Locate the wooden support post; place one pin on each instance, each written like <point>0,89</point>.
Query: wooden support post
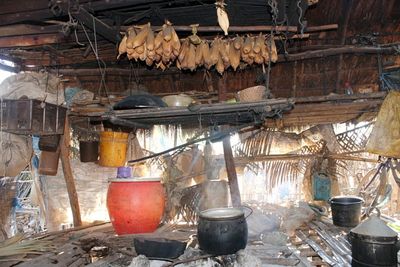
<point>228,155</point>
<point>231,171</point>
<point>69,178</point>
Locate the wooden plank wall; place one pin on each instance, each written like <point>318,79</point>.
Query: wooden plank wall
<point>311,77</point>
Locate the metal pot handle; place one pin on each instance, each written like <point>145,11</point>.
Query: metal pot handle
<point>370,209</point>
<point>251,211</point>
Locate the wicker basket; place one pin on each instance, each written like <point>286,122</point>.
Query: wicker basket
<point>252,94</point>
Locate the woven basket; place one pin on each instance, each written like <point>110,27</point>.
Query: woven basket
<point>252,94</point>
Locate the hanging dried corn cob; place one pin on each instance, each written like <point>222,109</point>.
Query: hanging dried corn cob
<point>191,59</point>
<point>234,55</point>
<point>223,19</point>
<point>122,46</point>
<point>131,34</point>
<point>238,42</point>
<point>214,53</point>
<point>272,47</point>
<point>199,55</point>
<point>140,38</point>
<point>205,51</point>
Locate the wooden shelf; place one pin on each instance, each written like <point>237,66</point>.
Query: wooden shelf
<point>205,114</point>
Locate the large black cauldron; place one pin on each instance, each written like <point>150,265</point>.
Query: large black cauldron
<point>373,243</point>
<point>222,231</point>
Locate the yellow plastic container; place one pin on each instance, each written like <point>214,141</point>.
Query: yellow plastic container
<point>113,147</point>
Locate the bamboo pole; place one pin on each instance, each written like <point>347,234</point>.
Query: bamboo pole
<point>68,176</point>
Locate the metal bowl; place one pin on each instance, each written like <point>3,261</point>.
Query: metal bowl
<point>180,100</point>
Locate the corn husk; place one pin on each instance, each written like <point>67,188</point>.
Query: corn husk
<point>167,32</point>
<point>274,51</point>
<point>140,38</point>
<point>184,50</point>
<point>214,53</point>
<point>223,51</point>
<point>165,59</point>
<point>234,56</point>
<point>149,61</point>
<point>199,55</point>
<point>161,66</point>
<point>151,53</point>
<point>223,19</point>
<point>265,53</point>
<point>122,46</point>
<point>258,43</point>
<point>258,59</point>
<point>247,45</point>
<point>238,42</point>
<point>150,40</point>
<point>143,55</point>
<point>157,58</point>
<point>131,34</point>
<point>139,49</point>
<point>191,58</point>
<point>167,48</point>
<point>176,43</point>
<point>158,40</point>
<point>220,65</point>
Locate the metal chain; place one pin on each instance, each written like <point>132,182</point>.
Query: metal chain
<point>300,15</point>
<point>274,10</point>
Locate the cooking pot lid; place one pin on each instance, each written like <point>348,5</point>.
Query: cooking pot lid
<point>374,226</point>
<point>222,213</point>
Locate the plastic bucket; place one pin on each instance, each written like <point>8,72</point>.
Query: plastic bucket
<point>113,149</point>
<point>346,211</point>
<point>135,205</point>
<point>88,151</point>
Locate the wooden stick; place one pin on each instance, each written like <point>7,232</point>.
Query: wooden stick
<point>262,28</point>
<point>348,49</point>
<point>68,176</point>
<point>228,155</point>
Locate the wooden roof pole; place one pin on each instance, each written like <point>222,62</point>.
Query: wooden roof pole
<point>68,176</point>
<point>228,155</point>
<point>256,28</point>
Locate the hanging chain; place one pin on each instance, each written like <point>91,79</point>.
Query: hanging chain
<point>302,26</point>
<point>274,10</point>
<point>274,13</point>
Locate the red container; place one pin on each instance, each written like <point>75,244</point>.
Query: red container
<point>135,205</point>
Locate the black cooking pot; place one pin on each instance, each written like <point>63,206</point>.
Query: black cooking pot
<point>346,210</point>
<point>373,243</point>
<point>222,231</point>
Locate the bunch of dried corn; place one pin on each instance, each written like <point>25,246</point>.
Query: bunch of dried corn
<point>258,50</point>
<point>165,47</point>
<point>141,43</point>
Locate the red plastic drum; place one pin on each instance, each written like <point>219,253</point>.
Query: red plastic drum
<point>135,205</point>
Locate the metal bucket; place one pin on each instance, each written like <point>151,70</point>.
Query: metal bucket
<point>346,210</point>
<point>88,151</point>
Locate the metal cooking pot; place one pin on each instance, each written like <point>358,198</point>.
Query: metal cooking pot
<point>373,243</point>
<point>222,231</point>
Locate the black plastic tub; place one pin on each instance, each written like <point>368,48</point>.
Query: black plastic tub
<point>346,210</point>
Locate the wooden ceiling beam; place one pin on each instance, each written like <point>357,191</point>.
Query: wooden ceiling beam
<point>96,25</point>
<point>31,40</point>
<point>26,29</point>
